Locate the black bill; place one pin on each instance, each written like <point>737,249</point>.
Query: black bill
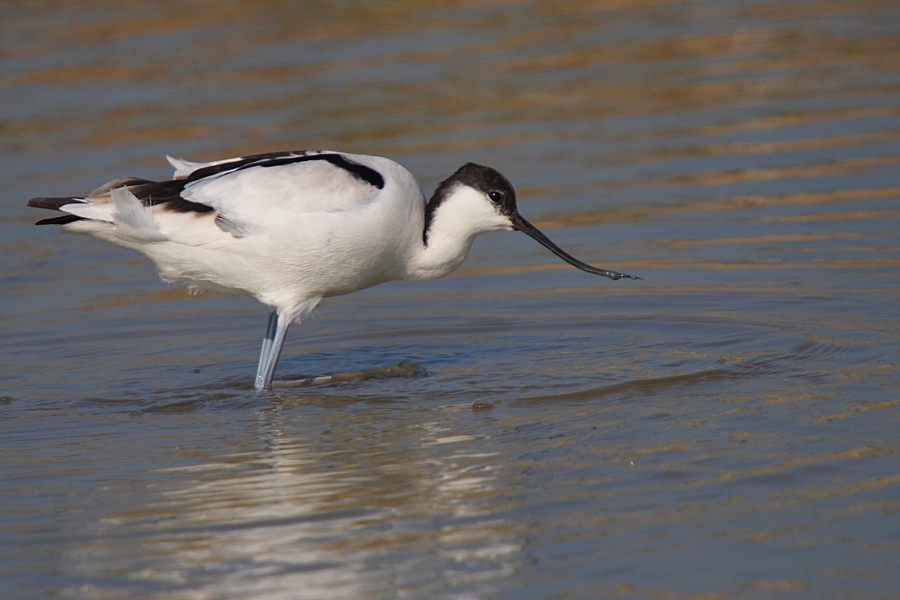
<point>524,226</point>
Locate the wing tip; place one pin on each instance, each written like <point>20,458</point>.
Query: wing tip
<point>52,203</point>
<point>63,220</point>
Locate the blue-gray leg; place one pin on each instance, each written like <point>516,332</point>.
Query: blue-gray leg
<point>270,351</point>
<point>266,344</point>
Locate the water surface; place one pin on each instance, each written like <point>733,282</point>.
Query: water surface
<point>726,428</point>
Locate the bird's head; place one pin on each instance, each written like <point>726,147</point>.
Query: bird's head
<point>482,199</point>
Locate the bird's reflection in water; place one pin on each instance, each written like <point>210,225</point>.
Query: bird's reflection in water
<point>364,509</point>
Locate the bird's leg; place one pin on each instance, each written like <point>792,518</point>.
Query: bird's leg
<point>266,346</point>
<point>270,351</point>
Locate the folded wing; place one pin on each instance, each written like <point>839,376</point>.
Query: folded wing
<point>235,197</point>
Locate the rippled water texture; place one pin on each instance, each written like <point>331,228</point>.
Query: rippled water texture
<point>726,428</point>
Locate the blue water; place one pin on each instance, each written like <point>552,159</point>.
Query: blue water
<point>726,428</point>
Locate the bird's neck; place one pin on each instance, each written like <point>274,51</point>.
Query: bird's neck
<point>443,248</point>
<point>450,227</point>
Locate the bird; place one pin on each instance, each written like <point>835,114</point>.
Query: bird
<point>292,228</point>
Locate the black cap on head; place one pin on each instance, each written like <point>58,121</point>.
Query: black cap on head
<point>488,180</point>
<point>485,179</point>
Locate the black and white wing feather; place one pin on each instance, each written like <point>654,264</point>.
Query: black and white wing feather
<point>237,196</point>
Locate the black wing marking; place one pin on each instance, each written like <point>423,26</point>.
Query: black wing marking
<point>277,159</point>
<point>168,193</point>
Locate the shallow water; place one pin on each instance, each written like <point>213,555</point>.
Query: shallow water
<point>726,428</point>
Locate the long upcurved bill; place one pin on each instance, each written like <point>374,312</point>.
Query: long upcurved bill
<point>520,224</point>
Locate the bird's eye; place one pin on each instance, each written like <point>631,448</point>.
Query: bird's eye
<point>495,196</point>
